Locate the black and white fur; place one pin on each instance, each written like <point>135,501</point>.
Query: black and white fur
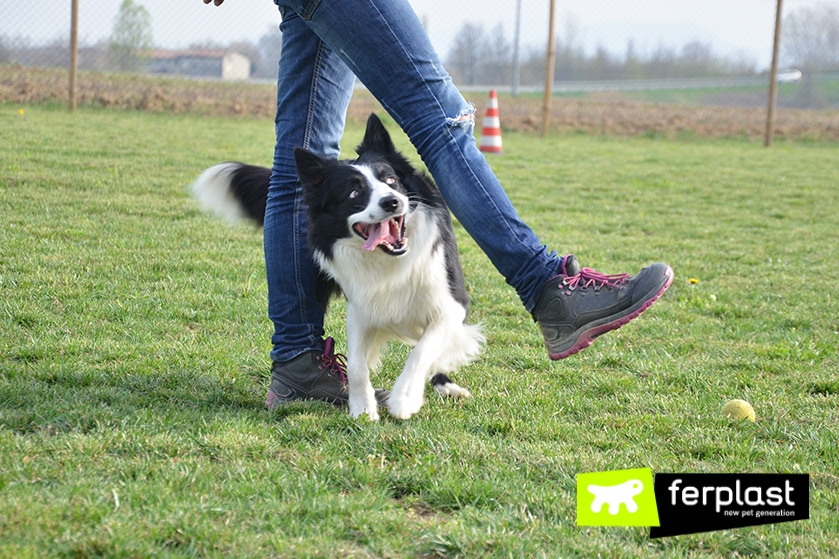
<point>380,231</point>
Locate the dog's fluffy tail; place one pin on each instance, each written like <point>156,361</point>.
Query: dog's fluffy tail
<point>234,191</point>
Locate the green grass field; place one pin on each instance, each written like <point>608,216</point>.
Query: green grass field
<point>134,343</point>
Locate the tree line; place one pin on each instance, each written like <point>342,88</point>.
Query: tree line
<point>478,57</point>
<point>810,42</point>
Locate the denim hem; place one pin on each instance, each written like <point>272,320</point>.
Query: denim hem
<point>530,304</point>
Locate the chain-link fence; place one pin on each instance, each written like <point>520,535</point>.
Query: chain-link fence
<point>715,52</point>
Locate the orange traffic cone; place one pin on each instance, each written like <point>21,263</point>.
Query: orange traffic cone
<point>491,133</point>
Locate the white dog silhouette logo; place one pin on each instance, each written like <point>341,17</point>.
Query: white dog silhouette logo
<point>614,495</point>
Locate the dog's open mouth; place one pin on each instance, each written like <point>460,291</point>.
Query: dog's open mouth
<point>389,235</point>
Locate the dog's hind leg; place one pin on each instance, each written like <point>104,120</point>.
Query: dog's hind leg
<point>444,386</point>
<point>362,350</point>
<point>465,343</point>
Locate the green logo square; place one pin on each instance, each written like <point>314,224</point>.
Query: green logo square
<point>617,498</point>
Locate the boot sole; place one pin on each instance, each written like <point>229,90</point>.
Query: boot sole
<point>585,336</point>
<point>272,401</point>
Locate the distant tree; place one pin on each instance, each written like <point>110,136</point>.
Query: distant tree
<point>810,42</point>
<point>467,53</point>
<point>95,56</point>
<point>604,66</point>
<point>533,65</point>
<point>570,55</point>
<point>810,39</point>
<point>497,66</point>
<point>54,54</point>
<point>662,62</point>
<point>131,38</point>
<point>270,45</point>
<point>697,60</point>
<point>741,64</point>
<point>5,52</point>
<point>633,67</point>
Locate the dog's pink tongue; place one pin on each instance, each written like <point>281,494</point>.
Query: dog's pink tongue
<point>376,234</point>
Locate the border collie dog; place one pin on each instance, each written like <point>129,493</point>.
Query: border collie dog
<point>380,232</point>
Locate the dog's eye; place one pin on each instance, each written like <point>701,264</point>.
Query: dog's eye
<point>354,193</point>
<point>390,181</point>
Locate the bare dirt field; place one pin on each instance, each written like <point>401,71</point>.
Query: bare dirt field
<point>609,114</point>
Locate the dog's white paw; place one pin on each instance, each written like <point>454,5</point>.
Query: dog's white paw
<point>360,406</point>
<point>405,406</point>
<point>371,415</point>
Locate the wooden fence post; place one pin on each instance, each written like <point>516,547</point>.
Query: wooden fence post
<point>549,71</point>
<point>773,80</point>
<point>74,52</point>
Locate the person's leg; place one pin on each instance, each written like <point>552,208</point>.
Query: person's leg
<point>385,45</point>
<point>313,90</point>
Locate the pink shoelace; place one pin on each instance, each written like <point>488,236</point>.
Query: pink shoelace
<point>592,278</point>
<point>335,362</point>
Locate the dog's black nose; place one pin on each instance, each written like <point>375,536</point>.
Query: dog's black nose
<point>389,203</point>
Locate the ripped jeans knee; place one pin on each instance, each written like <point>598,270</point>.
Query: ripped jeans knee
<point>460,127</point>
<point>464,119</point>
<point>433,135</point>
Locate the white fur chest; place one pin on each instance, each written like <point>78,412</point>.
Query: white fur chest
<point>402,294</point>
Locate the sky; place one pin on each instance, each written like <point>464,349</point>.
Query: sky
<point>732,27</point>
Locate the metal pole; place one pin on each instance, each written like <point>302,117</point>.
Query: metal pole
<point>74,51</point>
<point>516,41</point>
<point>773,80</point>
<point>549,71</point>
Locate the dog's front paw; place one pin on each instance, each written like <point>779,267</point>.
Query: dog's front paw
<point>360,406</point>
<point>403,407</point>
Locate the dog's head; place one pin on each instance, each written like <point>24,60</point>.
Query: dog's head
<point>365,199</point>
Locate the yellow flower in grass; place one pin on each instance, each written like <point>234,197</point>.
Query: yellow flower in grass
<point>693,282</point>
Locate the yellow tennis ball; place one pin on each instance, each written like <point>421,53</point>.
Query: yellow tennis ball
<point>739,409</point>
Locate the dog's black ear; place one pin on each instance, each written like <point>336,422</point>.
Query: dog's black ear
<point>376,138</point>
<point>310,166</point>
<point>311,170</point>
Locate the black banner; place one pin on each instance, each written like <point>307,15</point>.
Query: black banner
<point>691,503</point>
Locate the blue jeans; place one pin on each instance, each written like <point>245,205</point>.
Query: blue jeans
<point>326,44</point>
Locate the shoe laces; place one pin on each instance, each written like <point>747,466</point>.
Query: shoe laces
<point>334,362</point>
<point>591,278</point>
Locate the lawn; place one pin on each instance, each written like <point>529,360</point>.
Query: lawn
<point>134,342</point>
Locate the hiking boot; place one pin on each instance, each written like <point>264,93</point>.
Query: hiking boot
<point>313,376</point>
<point>580,304</point>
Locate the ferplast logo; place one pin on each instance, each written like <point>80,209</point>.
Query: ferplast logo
<point>692,503</point>
<point>616,498</point>
<point>688,503</point>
